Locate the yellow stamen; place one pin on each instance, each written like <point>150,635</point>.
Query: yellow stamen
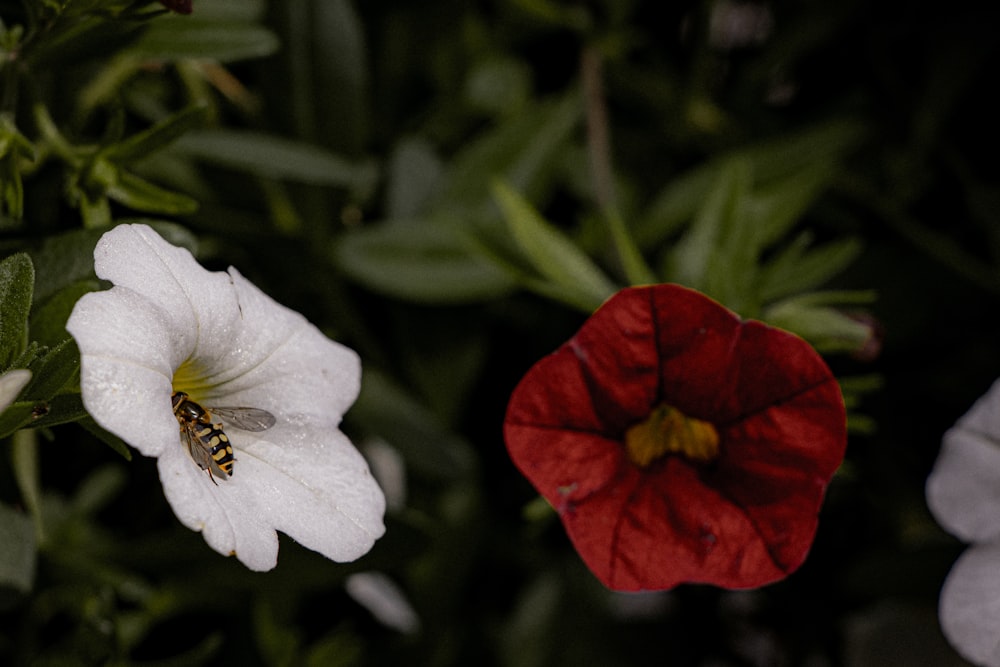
<point>189,379</point>
<point>670,431</point>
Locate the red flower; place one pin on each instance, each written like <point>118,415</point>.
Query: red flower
<point>679,443</point>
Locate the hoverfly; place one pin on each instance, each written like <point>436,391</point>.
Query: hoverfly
<point>207,443</point>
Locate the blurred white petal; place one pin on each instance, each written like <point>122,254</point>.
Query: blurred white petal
<point>389,470</point>
<point>11,384</point>
<point>382,597</point>
<point>970,605</point>
<point>963,490</point>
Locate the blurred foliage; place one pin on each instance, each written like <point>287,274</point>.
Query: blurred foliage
<point>449,188</point>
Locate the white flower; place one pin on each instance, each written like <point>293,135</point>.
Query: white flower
<point>169,325</point>
<point>963,493</point>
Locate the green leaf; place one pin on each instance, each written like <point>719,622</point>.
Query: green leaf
<point>232,11</point>
<point>12,142</point>
<point>17,282</point>
<point>110,439</point>
<point>498,85</point>
<point>13,147</point>
<point>142,144</point>
<point>142,195</point>
<point>335,88</point>
<point>412,173</point>
<point>15,417</point>
<point>690,259</point>
<point>63,260</point>
<point>278,642</point>
<point>798,268</point>
<point>48,321</point>
<point>552,254</point>
<point>637,271</point>
<point>422,260</point>
<point>18,553</point>
<point>573,17</point>
<point>385,409</point>
<point>95,211</point>
<point>342,648</point>
<point>718,252</point>
<point>776,209</point>
<point>27,356</point>
<point>508,258</point>
<point>675,206</point>
<point>75,42</point>
<point>99,489</point>
<point>776,158</point>
<point>818,318</point>
<point>60,409</point>
<point>274,157</point>
<point>523,151</point>
<point>52,370</point>
<point>11,189</point>
<point>177,38</point>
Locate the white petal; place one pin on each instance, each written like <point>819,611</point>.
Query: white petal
<point>136,257</point>
<point>317,489</point>
<point>11,384</point>
<point>389,469</point>
<point>984,415</point>
<point>126,365</point>
<point>382,597</point>
<point>227,515</point>
<point>963,489</point>
<point>970,605</point>
<point>280,362</point>
<point>314,486</point>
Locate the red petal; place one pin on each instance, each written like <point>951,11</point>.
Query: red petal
<point>744,521</point>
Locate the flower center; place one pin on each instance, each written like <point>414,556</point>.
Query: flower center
<point>667,430</point>
<point>189,379</point>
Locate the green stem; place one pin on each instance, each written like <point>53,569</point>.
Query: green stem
<point>599,149</point>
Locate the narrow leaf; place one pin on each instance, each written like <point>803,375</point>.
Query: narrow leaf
<point>141,195</point>
<point>522,151</point>
<point>274,157</point>
<point>797,269</point>
<point>553,255</point>
<point>428,446</point>
<point>52,371</point>
<point>17,282</point>
<point>772,159</point>
<point>690,261</point>
<point>179,38</point>
<point>425,261</point>
<point>109,438</point>
<point>48,321</point>
<point>161,135</point>
<point>777,208</point>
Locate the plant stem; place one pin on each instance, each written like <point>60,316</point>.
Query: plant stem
<point>599,150</point>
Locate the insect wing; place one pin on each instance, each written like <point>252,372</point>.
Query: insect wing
<point>248,419</point>
<point>201,455</point>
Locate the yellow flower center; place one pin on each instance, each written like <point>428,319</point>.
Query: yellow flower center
<point>189,379</point>
<point>667,430</point>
